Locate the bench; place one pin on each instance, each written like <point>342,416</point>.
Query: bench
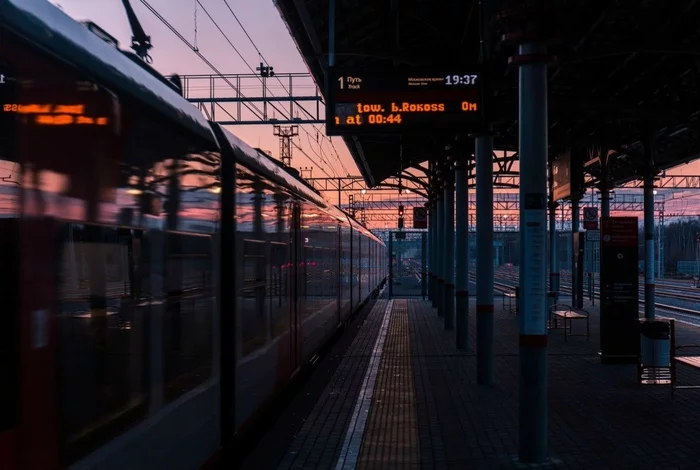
<point>690,361</point>
<point>510,295</point>
<point>567,313</point>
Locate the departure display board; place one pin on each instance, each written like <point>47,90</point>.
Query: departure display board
<point>397,100</point>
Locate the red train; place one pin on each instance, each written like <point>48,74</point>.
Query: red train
<point>153,263</point>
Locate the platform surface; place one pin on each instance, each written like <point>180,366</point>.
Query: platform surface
<point>403,397</point>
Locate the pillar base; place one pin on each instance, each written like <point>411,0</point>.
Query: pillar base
<point>532,446</point>
<point>449,313</point>
<point>484,344</point>
<point>462,320</point>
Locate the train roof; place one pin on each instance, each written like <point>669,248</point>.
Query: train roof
<point>54,31</point>
<point>51,29</point>
<point>264,166</point>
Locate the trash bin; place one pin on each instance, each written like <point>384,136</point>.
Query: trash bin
<point>655,343</point>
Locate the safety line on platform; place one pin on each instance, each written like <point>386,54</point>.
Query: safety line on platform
<point>356,428</point>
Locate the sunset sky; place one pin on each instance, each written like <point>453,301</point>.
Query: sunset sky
<point>262,22</point>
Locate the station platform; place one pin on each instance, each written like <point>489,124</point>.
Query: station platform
<point>400,396</point>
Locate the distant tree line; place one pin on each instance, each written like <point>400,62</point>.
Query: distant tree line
<point>680,243</point>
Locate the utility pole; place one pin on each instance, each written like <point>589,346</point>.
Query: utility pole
<point>285,133</point>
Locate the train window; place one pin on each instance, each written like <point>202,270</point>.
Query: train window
<point>188,320</point>
<point>254,319</point>
<point>103,334</point>
<point>278,288</point>
<point>9,317</point>
<point>79,152</point>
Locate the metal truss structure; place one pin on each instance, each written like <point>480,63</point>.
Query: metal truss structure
<point>419,183</point>
<point>221,98</point>
<point>669,182</point>
<point>506,205</point>
<point>503,202</point>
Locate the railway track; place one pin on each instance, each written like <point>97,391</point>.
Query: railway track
<point>663,292</point>
<point>682,314</point>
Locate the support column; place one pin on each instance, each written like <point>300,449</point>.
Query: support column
<point>431,227</point>
<point>554,276</point>
<point>649,285</point>
<point>604,211</point>
<point>604,201</point>
<point>532,122</point>
<point>575,217</point>
<point>462,255</point>
<point>660,245</point>
<point>434,246</point>
<point>439,252</point>
<point>449,247</point>
<point>391,267</point>
<point>484,259</point>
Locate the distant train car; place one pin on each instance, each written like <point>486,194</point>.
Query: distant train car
<point>132,230</point>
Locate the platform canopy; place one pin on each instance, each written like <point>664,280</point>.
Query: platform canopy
<point>623,74</point>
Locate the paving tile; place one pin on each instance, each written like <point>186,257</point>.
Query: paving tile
<point>428,411</point>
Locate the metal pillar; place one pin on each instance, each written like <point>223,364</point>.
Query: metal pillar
<point>532,122</point>
<point>449,293</point>
<point>423,263</point>
<point>604,202</point>
<point>575,217</point>
<point>391,267</point>
<point>484,259</point>
<point>660,244</point>
<point>439,252</point>
<point>554,275</point>
<point>431,227</point>
<point>649,285</point>
<point>462,255</point>
<point>433,251</point>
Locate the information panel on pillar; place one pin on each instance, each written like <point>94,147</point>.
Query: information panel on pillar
<point>397,100</point>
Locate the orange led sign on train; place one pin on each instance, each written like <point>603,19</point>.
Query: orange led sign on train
<point>56,114</point>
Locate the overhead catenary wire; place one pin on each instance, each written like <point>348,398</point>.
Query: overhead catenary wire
<point>264,60</point>
<point>254,109</point>
<point>228,40</point>
<point>199,54</point>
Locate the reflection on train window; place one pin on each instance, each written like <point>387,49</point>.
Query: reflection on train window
<point>103,334</point>
<point>279,287</point>
<point>188,319</point>
<point>9,331</point>
<point>253,321</point>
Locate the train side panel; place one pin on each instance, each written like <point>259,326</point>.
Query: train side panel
<point>115,361</point>
<point>127,260</point>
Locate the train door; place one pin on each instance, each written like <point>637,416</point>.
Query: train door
<point>296,305</point>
